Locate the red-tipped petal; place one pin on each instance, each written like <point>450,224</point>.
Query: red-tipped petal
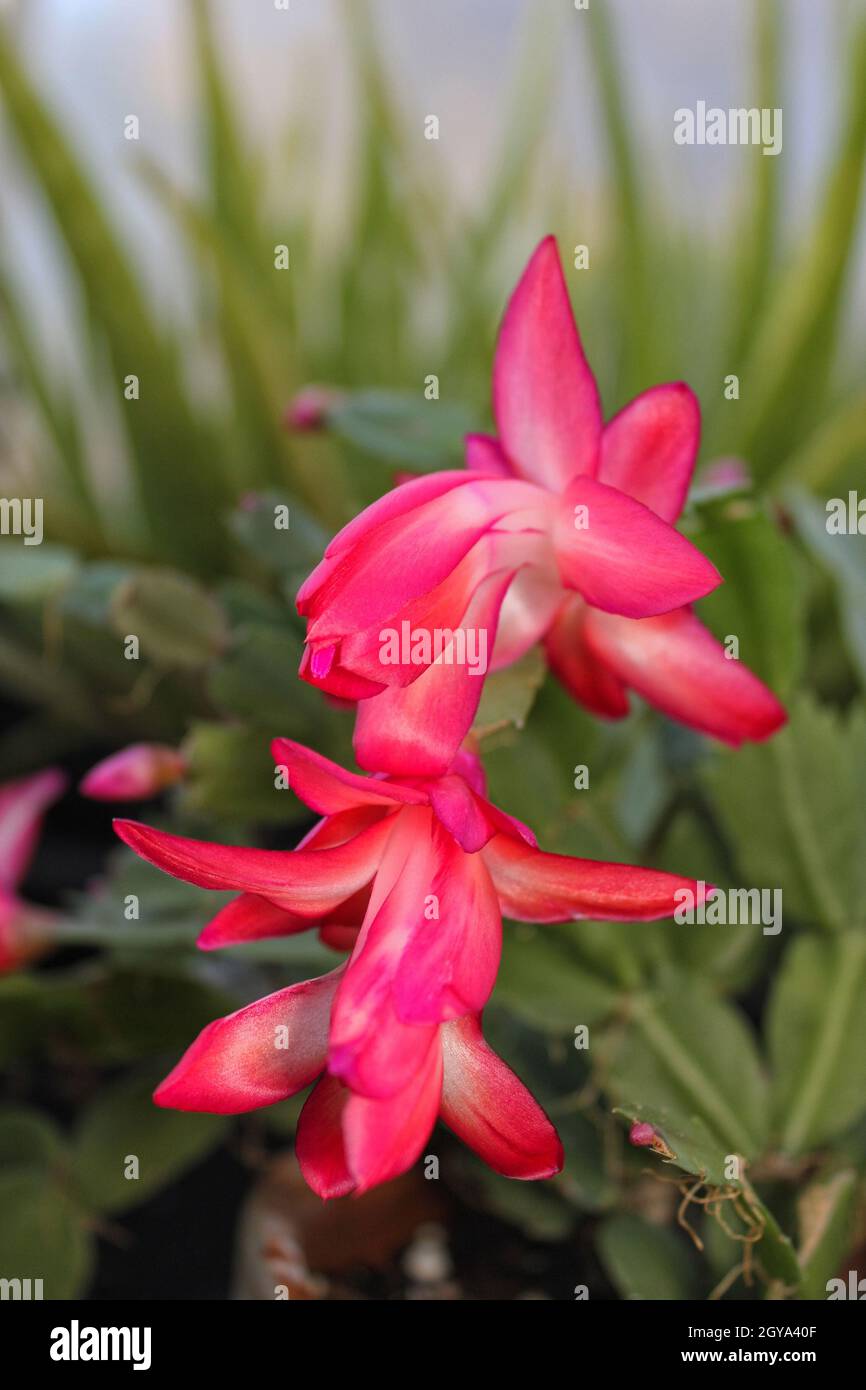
<point>484,455</point>
<point>545,399</point>
<point>22,806</point>
<point>491,1110</point>
<point>319,1143</point>
<point>384,1137</point>
<point>585,677</point>
<point>449,964</point>
<point>307,882</point>
<point>249,918</point>
<point>623,558</point>
<point>370,1048</point>
<point>649,449</point>
<point>678,666</point>
<point>326,787</point>
<point>264,1053</point>
<point>417,731</point>
<point>536,887</point>
<point>405,557</point>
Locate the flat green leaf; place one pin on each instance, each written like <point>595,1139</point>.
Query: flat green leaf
<point>232,774</point>
<point>43,1236</point>
<point>27,1139</point>
<point>817,1038</point>
<point>794,813</point>
<point>509,695</point>
<point>692,1056</point>
<point>647,1262</point>
<point>761,601</point>
<point>124,1132</point>
<point>843,556</point>
<point>403,428</point>
<point>33,572</point>
<point>258,681</point>
<point>176,621</point>
<point>541,983</point>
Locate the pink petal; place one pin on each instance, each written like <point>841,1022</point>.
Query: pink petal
<point>249,918</point>
<point>22,806</point>
<point>410,554</point>
<point>545,398</point>
<point>372,1050</point>
<point>307,882</point>
<point>336,680</point>
<point>536,887</point>
<point>319,1144</point>
<point>417,731</point>
<point>327,788</point>
<point>384,1137</point>
<point>584,676</point>
<point>529,608</point>
<point>261,1054</point>
<point>461,812</point>
<point>625,559</point>
<point>484,455</point>
<point>449,964</point>
<point>649,449</point>
<point>678,666</point>
<point>135,773</point>
<point>491,1110</point>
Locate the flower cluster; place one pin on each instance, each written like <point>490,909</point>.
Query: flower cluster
<point>560,530</point>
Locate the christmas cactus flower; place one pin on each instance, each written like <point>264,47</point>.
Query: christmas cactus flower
<point>411,876</point>
<point>484,559</point>
<point>414,875</point>
<point>24,929</point>
<point>347,1141</point>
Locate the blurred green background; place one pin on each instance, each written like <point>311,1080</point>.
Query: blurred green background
<point>155,257</point>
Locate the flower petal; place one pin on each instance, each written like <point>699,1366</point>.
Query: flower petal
<point>319,1144</point>
<point>249,918</point>
<point>22,806</point>
<point>623,558</point>
<point>327,788</point>
<point>307,882</point>
<point>384,1137</point>
<point>405,557</point>
<point>536,887</point>
<point>417,731</point>
<point>484,455</point>
<point>585,677</point>
<point>449,964</point>
<point>649,449</point>
<point>262,1054</point>
<point>678,666</point>
<point>491,1110</point>
<point>545,399</point>
<point>372,1050</point>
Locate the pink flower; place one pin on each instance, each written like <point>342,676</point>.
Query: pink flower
<point>557,508</point>
<point>413,875</point>
<point>24,929</point>
<point>135,773</point>
<point>346,1140</point>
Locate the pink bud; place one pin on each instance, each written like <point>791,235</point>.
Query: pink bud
<point>135,773</point>
<point>310,407</point>
<point>642,1135</point>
